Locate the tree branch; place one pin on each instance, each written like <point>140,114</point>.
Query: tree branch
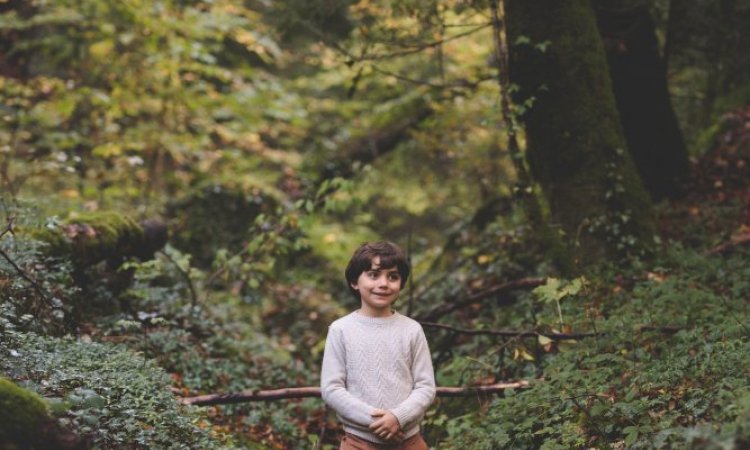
<point>37,287</point>
<point>733,242</point>
<point>510,333</point>
<point>666,329</point>
<point>311,392</point>
<point>446,308</point>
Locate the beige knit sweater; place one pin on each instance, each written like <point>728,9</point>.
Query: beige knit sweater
<point>377,362</point>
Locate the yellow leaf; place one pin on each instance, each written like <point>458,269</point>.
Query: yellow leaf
<point>521,353</point>
<point>101,49</point>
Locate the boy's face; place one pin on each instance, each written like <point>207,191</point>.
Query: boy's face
<point>378,288</point>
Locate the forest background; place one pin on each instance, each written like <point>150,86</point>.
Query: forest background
<point>183,182</point>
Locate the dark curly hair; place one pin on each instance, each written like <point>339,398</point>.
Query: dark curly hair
<point>391,255</point>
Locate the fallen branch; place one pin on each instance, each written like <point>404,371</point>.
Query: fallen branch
<point>510,333</point>
<point>446,308</point>
<point>308,392</point>
<point>666,329</point>
<point>733,242</point>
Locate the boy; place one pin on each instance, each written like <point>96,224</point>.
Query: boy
<point>377,370</point>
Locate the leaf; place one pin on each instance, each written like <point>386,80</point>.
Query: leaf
<point>544,340</point>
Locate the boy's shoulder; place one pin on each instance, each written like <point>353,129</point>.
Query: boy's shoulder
<point>343,320</point>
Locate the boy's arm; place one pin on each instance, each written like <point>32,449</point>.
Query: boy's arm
<point>423,392</point>
<point>333,384</point>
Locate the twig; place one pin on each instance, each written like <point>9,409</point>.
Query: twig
<point>734,316</point>
<point>510,333</point>
<point>419,48</point>
<point>8,227</point>
<point>733,242</point>
<point>186,275</point>
<point>37,287</point>
<point>457,84</point>
<point>667,329</point>
<point>311,392</point>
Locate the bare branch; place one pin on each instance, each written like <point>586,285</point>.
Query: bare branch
<point>311,392</point>
<point>666,329</point>
<point>446,308</point>
<point>37,287</point>
<point>733,242</point>
<point>457,84</point>
<point>510,333</point>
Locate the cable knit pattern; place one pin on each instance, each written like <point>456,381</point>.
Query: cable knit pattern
<point>377,362</point>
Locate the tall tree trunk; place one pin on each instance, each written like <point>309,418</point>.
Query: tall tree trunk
<point>575,145</point>
<point>639,79</point>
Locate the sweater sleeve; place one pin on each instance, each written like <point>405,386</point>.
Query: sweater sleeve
<point>423,393</point>
<point>333,384</point>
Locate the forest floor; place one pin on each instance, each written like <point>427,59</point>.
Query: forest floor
<point>717,200</point>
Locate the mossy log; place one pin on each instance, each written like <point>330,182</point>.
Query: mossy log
<point>90,238</point>
<point>22,415</point>
<point>25,423</point>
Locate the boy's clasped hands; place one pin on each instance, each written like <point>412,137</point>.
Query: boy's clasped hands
<point>386,426</point>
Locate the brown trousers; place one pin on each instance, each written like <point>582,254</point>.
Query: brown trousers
<point>352,442</point>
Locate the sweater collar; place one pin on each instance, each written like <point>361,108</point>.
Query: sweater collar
<point>381,321</point>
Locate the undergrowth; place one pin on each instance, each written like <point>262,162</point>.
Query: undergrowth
<point>669,368</point>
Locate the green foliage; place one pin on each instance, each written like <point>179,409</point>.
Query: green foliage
<point>217,217</point>
<point>21,413</point>
<point>106,391</point>
<point>43,296</point>
<point>634,387</point>
<point>554,291</point>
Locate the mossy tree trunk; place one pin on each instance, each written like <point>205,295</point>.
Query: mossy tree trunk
<point>575,145</point>
<point>639,77</point>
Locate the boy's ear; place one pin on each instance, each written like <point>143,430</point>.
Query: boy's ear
<point>354,286</point>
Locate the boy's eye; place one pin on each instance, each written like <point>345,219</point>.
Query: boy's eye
<point>394,276</point>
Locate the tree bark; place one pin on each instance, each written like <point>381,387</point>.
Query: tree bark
<point>639,79</point>
<point>575,145</point>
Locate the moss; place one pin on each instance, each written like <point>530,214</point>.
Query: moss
<point>22,413</point>
<point>576,147</point>
<point>93,237</point>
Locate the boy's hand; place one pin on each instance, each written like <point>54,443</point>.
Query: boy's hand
<point>386,426</point>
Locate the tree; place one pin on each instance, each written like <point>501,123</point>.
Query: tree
<point>639,81</point>
<point>576,149</point>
